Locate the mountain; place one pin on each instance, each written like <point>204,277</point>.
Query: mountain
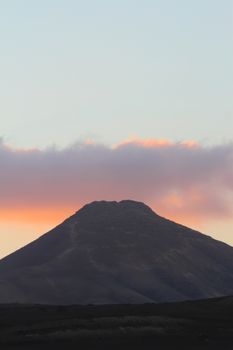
<point>117,252</point>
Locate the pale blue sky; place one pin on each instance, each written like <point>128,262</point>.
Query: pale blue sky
<point>106,70</point>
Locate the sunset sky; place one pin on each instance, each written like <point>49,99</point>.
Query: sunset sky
<point>115,100</point>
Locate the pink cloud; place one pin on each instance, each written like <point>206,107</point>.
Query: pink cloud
<point>179,180</point>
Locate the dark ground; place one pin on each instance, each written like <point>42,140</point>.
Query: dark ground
<point>206,324</point>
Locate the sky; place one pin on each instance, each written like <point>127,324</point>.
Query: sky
<point>114,100</point>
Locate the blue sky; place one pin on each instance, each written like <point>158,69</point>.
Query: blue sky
<point>106,70</point>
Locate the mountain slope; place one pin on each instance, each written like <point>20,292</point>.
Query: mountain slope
<point>117,252</point>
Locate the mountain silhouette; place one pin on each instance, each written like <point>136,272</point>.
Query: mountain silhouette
<point>117,252</point>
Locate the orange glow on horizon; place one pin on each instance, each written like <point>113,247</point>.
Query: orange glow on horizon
<point>171,208</point>
<point>36,215</point>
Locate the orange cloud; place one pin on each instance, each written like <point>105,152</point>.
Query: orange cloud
<point>156,143</point>
<point>148,143</point>
<point>190,144</point>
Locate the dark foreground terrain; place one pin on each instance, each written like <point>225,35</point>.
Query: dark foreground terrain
<point>205,324</point>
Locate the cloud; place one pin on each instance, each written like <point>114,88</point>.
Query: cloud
<point>184,180</point>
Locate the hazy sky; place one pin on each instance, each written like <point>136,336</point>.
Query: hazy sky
<point>111,71</point>
<point>106,70</point>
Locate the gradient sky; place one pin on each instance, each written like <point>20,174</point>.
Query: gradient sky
<point>112,71</point>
